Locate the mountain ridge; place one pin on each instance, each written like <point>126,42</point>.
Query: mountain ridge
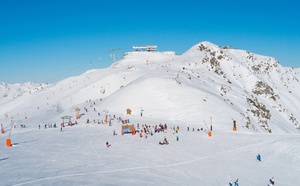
<point>206,81</point>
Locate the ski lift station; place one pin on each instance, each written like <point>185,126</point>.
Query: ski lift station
<point>151,48</point>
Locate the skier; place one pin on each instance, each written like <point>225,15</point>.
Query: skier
<point>272,181</point>
<point>177,138</point>
<point>230,183</point>
<point>2,129</point>
<point>258,157</point>
<point>236,183</point>
<point>107,144</point>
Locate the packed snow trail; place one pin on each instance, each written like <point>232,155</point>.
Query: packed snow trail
<point>136,168</point>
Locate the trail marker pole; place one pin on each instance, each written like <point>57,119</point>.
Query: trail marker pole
<point>209,132</point>
<point>8,140</point>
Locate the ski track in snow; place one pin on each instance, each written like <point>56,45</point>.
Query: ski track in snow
<point>136,168</point>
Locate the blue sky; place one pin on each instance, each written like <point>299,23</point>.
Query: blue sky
<point>49,40</point>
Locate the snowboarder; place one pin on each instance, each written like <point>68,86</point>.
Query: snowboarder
<point>258,157</point>
<point>165,140</point>
<point>236,183</point>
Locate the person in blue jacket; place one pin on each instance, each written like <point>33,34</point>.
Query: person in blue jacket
<point>258,157</point>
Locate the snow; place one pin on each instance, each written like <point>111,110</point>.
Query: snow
<point>78,156</point>
<point>179,90</point>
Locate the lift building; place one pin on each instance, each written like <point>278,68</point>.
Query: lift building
<point>152,48</point>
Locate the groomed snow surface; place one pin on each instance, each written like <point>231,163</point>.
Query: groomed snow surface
<point>78,156</point>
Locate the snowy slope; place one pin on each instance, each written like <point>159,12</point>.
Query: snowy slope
<point>78,156</point>
<point>206,85</point>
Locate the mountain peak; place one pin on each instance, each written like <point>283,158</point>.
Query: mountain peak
<point>207,80</point>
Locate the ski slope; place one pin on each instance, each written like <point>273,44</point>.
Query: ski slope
<point>78,156</point>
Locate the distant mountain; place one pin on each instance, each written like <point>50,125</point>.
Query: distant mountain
<point>206,82</point>
<point>9,92</point>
